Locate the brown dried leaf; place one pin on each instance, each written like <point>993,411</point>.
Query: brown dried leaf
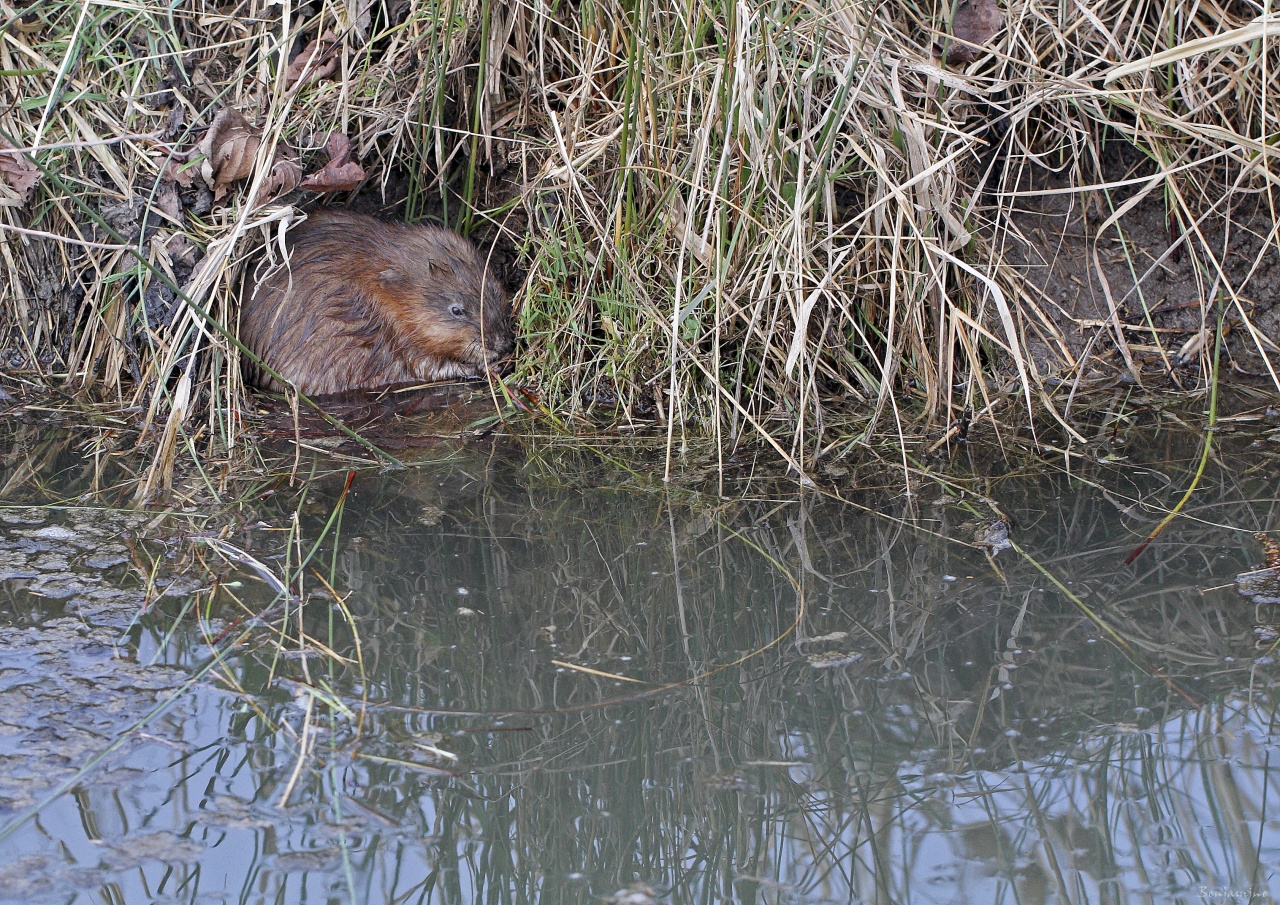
<point>318,60</point>
<point>338,147</point>
<point>335,179</point>
<point>175,171</point>
<point>1271,548</point>
<point>341,173</point>
<point>284,177</point>
<point>168,202</point>
<point>182,251</point>
<point>229,148</point>
<point>974,23</point>
<point>18,171</point>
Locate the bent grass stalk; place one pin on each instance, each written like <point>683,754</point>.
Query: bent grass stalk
<point>1121,643</point>
<point>1207,447</point>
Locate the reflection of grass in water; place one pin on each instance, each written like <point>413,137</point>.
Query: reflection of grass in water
<point>822,751</point>
<point>558,772</point>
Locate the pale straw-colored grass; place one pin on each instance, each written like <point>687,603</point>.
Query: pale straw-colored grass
<point>741,218</point>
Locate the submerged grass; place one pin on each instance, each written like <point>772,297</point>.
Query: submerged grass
<point>735,218</point>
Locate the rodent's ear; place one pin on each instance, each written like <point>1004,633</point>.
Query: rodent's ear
<point>398,278</point>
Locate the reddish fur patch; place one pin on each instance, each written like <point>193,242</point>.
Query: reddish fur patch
<point>363,303</point>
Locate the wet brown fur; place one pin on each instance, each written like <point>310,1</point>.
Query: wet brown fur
<point>362,303</point>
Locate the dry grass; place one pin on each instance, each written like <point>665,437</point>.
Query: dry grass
<point>736,216</point>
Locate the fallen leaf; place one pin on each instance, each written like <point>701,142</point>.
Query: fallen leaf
<point>973,24</point>
<point>335,179</point>
<point>1271,549</point>
<point>167,200</point>
<point>338,147</point>
<point>182,252</point>
<point>18,171</point>
<point>229,148</point>
<point>175,122</point>
<point>284,177</point>
<point>318,60</point>
<point>176,170</point>
<point>341,173</point>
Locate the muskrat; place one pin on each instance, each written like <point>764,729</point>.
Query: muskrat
<point>363,303</point>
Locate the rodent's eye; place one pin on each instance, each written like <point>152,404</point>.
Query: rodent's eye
<point>457,311</point>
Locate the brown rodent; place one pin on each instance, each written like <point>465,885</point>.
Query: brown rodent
<point>363,303</point>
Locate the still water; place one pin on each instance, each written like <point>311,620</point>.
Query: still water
<point>511,673</point>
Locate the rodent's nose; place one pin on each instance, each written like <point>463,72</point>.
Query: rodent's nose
<point>499,344</point>
<point>500,359</point>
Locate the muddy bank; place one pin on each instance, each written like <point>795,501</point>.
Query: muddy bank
<point>1129,289</point>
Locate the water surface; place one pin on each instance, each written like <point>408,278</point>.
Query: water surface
<point>512,673</point>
